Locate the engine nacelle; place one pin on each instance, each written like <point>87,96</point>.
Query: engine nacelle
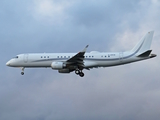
<point>64,71</point>
<point>57,65</point>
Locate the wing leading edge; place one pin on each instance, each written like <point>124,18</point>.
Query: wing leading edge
<point>77,60</point>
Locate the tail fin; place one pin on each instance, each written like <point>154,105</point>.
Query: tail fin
<point>144,45</point>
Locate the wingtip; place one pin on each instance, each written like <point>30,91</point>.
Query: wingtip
<point>87,46</point>
<point>84,50</point>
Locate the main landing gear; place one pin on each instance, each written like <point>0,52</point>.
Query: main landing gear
<point>22,73</point>
<point>79,72</point>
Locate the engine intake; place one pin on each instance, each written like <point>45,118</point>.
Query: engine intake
<point>57,65</point>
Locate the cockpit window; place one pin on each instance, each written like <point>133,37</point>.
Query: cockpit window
<point>16,57</point>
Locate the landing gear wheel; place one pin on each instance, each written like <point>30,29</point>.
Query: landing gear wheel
<point>81,74</point>
<point>22,73</point>
<point>77,72</point>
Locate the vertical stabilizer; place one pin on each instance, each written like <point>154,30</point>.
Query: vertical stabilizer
<point>144,44</point>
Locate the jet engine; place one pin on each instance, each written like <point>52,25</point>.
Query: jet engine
<point>64,71</point>
<point>57,65</point>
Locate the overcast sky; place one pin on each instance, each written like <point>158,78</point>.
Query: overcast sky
<point>128,92</point>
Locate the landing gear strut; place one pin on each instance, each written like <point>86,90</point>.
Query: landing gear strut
<point>79,72</point>
<point>22,73</point>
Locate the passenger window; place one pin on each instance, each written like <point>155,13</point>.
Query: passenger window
<point>41,57</point>
<point>44,56</point>
<point>48,56</point>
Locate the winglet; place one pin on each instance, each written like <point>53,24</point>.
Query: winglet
<point>84,50</point>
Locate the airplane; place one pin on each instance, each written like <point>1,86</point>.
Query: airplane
<point>69,62</point>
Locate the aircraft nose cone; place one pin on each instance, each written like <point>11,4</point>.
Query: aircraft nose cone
<point>8,63</point>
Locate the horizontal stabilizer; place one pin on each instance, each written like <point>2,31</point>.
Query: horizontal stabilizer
<point>153,55</point>
<point>145,54</point>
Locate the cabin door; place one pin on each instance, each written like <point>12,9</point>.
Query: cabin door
<point>25,58</point>
<point>121,56</point>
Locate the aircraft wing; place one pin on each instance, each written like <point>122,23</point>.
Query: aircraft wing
<point>77,60</point>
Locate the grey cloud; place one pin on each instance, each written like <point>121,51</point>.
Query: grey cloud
<point>124,92</point>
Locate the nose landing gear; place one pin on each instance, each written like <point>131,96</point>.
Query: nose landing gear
<point>22,73</point>
<point>79,72</point>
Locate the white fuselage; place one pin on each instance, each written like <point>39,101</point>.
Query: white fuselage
<point>69,62</point>
<point>92,59</point>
